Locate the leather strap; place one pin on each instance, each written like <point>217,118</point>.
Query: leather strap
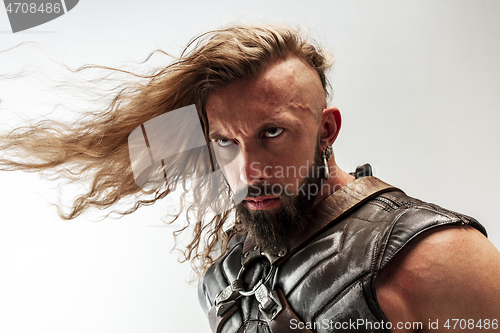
<point>284,320</point>
<point>216,322</point>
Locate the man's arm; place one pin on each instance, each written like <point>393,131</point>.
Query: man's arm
<point>451,275</point>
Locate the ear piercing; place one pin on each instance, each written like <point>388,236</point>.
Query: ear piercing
<point>325,156</point>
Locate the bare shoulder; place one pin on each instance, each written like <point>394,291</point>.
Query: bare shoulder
<point>444,273</point>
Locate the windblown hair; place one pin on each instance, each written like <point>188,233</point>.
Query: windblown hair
<point>95,151</point>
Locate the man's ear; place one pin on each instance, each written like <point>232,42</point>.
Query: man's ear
<point>330,125</point>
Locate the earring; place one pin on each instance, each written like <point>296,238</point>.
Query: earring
<point>325,156</point>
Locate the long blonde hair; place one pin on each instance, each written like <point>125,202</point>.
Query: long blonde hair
<point>95,150</point>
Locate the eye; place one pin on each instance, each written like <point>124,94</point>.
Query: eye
<point>273,132</point>
<point>224,142</point>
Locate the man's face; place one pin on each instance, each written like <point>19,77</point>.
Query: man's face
<point>265,134</point>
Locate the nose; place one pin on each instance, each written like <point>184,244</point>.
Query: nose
<point>247,165</point>
<point>254,166</point>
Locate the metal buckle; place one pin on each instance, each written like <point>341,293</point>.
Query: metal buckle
<point>230,293</point>
<point>270,305</point>
<point>226,299</point>
<point>222,308</point>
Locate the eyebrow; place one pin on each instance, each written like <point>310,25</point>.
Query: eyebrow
<point>214,136</point>
<point>270,123</point>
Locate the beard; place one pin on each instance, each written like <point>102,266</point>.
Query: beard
<point>278,228</point>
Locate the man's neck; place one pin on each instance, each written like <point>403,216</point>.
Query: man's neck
<point>338,178</point>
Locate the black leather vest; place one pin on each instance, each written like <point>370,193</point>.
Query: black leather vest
<point>328,282</point>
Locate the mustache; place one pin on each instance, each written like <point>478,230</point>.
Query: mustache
<point>257,190</point>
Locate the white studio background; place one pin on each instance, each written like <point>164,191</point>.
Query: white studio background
<point>417,82</point>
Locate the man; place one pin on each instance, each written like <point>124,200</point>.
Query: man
<point>418,280</point>
<point>312,248</point>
